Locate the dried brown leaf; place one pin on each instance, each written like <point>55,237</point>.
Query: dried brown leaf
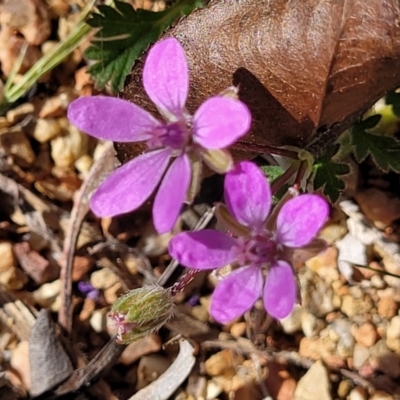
<point>302,66</point>
<point>171,379</point>
<point>46,354</point>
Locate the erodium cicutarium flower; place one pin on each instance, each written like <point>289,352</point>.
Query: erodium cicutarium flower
<point>181,137</point>
<point>258,254</point>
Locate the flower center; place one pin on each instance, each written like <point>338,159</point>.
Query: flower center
<point>174,135</point>
<point>257,249</point>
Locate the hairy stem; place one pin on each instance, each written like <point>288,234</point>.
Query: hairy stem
<point>279,182</point>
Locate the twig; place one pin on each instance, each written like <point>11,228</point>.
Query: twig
<point>87,375</point>
<point>264,149</point>
<point>102,166</point>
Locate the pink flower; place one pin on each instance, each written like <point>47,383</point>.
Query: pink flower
<point>218,123</point>
<point>261,264</point>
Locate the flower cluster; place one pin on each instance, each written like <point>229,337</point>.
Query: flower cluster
<point>217,124</point>
<point>260,255</point>
<point>258,246</point>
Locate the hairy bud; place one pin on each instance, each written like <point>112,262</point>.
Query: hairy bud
<point>140,312</point>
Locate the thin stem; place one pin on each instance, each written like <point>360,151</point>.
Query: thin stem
<point>16,67</point>
<point>182,282</point>
<point>377,270</point>
<point>300,173</point>
<point>201,224</point>
<point>279,182</point>
<point>266,150</point>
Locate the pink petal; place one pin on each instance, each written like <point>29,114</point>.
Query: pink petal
<point>171,194</point>
<point>248,194</point>
<point>130,186</point>
<point>166,77</point>
<point>110,118</point>
<point>220,122</point>
<point>236,294</point>
<point>207,249</point>
<point>300,219</point>
<point>280,291</point>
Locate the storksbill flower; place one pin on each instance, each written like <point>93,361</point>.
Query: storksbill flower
<point>181,137</point>
<point>260,255</point>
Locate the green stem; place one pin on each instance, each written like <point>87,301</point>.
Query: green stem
<point>377,270</point>
<point>300,174</point>
<point>50,60</point>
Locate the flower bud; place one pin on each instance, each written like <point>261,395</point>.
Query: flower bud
<point>141,311</point>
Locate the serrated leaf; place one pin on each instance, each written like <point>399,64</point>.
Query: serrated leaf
<point>384,150</point>
<point>326,173</point>
<point>367,123</point>
<point>124,34</point>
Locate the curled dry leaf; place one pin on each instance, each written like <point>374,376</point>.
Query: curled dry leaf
<point>46,353</point>
<point>303,66</point>
<point>171,379</point>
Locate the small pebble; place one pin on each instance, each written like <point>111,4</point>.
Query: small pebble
<point>66,149</point>
<point>19,362</point>
<point>224,362</point>
<point>135,350</point>
<point>380,395</point>
<point>377,281</point>
<point>19,113</point>
<point>17,145</point>
<point>358,393</point>
<point>47,293</point>
<point>344,388</point>
<point>309,323</point>
<point>98,320</point>
<point>387,307</point>
<point>112,293</point>
<point>103,279</point>
<point>238,329</point>
<point>393,334</point>
<point>7,259</point>
<point>366,334</point>
<point>314,385</point>
<point>13,278</point>
<point>292,323</point>
<point>360,356</point>
<point>351,306</point>
<point>45,129</point>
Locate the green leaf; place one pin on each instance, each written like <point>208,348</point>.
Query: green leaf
<point>393,98</point>
<point>326,172</point>
<point>124,33</point>
<point>384,150</point>
<point>272,171</point>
